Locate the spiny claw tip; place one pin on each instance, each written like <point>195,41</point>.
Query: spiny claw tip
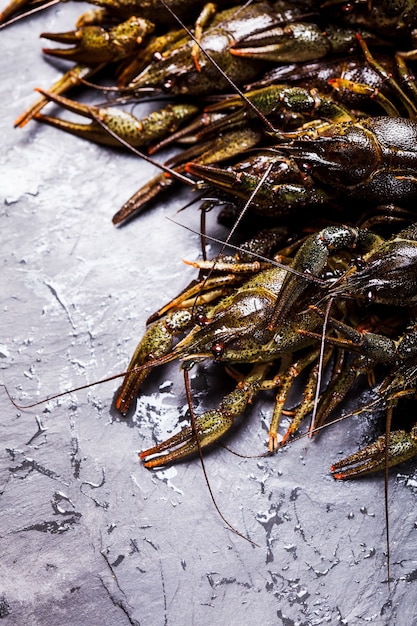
<point>338,475</point>
<point>122,406</point>
<point>149,452</point>
<point>153,463</point>
<point>285,438</point>
<point>148,465</point>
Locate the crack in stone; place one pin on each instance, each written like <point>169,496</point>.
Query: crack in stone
<point>28,465</point>
<point>41,429</point>
<point>54,292</point>
<point>52,527</point>
<point>104,505</point>
<point>164,595</point>
<point>119,603</point>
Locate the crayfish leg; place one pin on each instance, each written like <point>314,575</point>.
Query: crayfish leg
<point>309,394</point>
<point>205,16</point>
<point>285,382</point>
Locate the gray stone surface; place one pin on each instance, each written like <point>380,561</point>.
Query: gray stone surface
<point>87,535</point>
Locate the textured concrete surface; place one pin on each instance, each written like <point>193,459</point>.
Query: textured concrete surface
<point>87,535</point>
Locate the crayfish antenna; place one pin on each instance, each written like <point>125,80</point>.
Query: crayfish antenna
<point>386,455</point>
<point>246,100</point>
<point>320,367</point>
<point>10,14</point>
<point>23,407</point>
<point>203,466</point>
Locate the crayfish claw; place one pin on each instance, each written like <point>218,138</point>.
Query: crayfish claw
<point>94,44</point>
<point>70,79</point>
<point>119,123</point>
<point>210,427</point>
<point>402,446</point>
<point>154,349</point>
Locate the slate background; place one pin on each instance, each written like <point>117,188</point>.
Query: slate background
<point>87,536</point>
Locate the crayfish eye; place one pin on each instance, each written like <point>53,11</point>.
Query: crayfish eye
<point>168,85</point>
<point>202,320</point>
<point>359,263</point>
<point>306,168</point>
<point>217,350</point>
<point>370,296</point>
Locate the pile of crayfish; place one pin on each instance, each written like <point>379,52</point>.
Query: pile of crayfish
<point>300,115</point>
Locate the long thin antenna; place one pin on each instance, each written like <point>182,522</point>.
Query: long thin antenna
<point>260,257</point>
<point>200,454</point>
<point>237,222</point>
<point>320,362</point>
<point>150,364</point>
<point>19,17</point>
<point>246,100</point>
<point>387,443</point>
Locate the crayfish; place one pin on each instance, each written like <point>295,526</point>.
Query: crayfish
<point>272,314</point>
<point>321,132</point>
